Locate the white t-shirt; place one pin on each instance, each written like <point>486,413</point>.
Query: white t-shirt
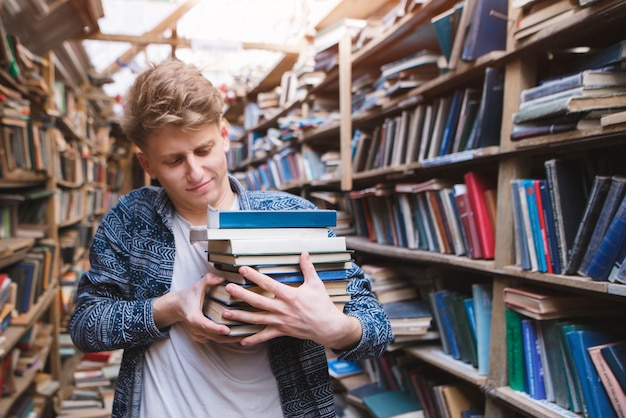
<point>184,378</point>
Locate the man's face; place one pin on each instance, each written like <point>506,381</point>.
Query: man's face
<point>192,168</point>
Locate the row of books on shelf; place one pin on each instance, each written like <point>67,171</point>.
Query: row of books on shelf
<point>22,212</point>
<point>436,215</point>
<point>291,165</point>
<point>397,384</point>
<point>93,386</point>
<point>464,322</point>
<point>567,350</point>
<point>537,15</point>
<point>22,283</point>
<point>564,225</point>
<point>466,119</point>
<point>583,98</point>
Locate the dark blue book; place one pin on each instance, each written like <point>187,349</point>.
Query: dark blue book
<point>487,29</point>
<point>548,215</point>
<point>449,132</point>
<point>609,248</point>
<point>596,398</point>
<point>221,219</point>
<point>532,361</point>
<point>486,130</point>
<point>445,325</point>
<point>615,357</point>
<point>294,277</point>
<point>612,201</point>
<point>595,203</point>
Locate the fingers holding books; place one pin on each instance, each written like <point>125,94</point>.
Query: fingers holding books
<point>305,311</point>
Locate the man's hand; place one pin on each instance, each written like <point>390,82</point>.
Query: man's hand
<point>185,306</point>
<point>305,312</point>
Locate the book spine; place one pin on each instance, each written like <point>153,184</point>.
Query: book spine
<point>604,259</point>
<point>594,206</point>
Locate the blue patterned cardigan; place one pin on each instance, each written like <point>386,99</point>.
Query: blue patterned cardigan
<point>132,259</point>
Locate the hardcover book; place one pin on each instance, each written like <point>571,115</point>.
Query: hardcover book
<point>277,245</point>
<point>218,219</point>
<point>278,259</point>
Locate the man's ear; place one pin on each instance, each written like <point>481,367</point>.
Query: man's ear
<point>224,135</point>
<point>145,164</point>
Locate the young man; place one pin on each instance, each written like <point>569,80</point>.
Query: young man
<point>145,288</point>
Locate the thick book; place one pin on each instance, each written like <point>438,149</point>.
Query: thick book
<point>595,202</point>
<point>477,184</point>
<point>615,357</point>
<point>486,130</point>
<point>217,219</point>
<point>277,245</point>
<point>596,399</point>
<point>278,259</point>
<point>581,91</point>
<point>530,130</point>
<point>487,29</point>
<point>612,201</point>
<point>608,379</point>
<point>566,181</point>
<point>589,79</point>
<point>609,248</point>
<point>570,107</point>
<point>546,301</point>
<point>408,313</point>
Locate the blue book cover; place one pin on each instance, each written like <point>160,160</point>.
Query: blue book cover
<point>615,357</point>
<point>342,368</point>
<point>445,26</point>
<point>449,131</point>
<point>610,246</point>
<point>446,323</point>
<point>483,299</point>
<point>487,29</point>
<point>548,214</point>
<point>532,361</point>
<point>534,223</point>
<point>470,311</point>
<point>596,398</point>
<point>237,219</point>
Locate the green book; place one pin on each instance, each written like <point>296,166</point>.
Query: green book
<point>515,352</point>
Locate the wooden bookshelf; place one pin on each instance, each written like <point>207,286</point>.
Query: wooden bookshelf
<point>596,25</point>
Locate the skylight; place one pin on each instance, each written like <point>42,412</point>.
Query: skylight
<point>218,36</point>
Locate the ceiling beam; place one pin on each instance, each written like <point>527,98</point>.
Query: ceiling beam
<point>145,40</point>
<point>164,25</point>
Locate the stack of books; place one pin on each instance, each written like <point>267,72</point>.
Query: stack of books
<point>271,242</point>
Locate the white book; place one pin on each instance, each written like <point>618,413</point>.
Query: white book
<point>277,245</point>
<point>204,234</point>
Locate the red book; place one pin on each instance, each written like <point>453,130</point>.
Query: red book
<point>477,184</point>
<point>467,221</point>
<point>542,227</point>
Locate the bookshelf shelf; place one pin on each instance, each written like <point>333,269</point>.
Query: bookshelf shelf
<point>530,406</point>
<point>435,356</point>
<point>362,244</point>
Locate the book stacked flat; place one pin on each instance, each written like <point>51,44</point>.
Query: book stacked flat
<point>271,242</point>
